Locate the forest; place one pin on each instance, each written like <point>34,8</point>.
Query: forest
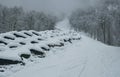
<point>15,18</point>
<point>101,23</point>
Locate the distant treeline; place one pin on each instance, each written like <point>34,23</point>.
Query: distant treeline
<point>15,18</point>
<point>101,23</point>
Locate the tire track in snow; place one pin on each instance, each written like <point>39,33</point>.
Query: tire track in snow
<point>82,70</point>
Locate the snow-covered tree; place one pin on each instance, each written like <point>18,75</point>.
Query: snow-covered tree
<point>16,18</point>
<point>102,23</point>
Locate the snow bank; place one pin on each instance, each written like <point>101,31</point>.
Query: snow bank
<point>22,43</point>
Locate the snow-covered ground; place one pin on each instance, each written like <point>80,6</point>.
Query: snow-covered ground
<point>82,58</point>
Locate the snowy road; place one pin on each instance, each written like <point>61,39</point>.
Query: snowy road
<point>85,58</point>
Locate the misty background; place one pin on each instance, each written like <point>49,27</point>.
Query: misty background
<point>99,19</point>
<point>56,7</point>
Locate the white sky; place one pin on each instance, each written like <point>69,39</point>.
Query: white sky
<point>55,6</point>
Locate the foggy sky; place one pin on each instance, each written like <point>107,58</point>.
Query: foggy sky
<point>52,6</point>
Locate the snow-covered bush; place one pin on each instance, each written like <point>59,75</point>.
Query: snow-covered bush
<point>17,46</point>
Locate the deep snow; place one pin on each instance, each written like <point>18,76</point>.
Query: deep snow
<point>83,58</point>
